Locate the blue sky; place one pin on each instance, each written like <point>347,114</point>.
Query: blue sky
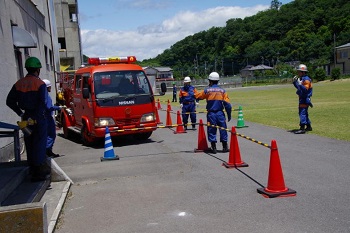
<point>145,28</point>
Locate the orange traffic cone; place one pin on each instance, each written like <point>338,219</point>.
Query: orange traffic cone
<point>234,159</point>
<point>169,122</point>
<point>169,105</point>
<point>275,184</point>
<point>202,138</point>
<point>159,106</point>
<point>109,151</point>
<point>158,118</point>
<point>179,128</point>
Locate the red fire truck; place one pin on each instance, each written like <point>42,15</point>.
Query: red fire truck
<point>109,92</point>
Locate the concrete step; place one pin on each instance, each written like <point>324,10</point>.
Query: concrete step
<point>27,192</point>
<point>12,174</point>
<point>16,186</point>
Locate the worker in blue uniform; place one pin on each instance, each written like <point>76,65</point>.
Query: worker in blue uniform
<point>217,102</point>
<point>51,124</point>
<point>27,98</point>
<point>188,103</point>
<point>174,92</point>
<point>303,84</point>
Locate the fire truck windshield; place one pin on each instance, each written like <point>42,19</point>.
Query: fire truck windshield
<point>120,82</point>
<point>120,85</point>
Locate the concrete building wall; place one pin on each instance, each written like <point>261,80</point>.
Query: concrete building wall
<point>34,17</point>
<point>67,21</point>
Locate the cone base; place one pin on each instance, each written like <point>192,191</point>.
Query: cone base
<point>109,158</point>
<point>269,194</point>
<point>242,164</point>
<point>244,126</point>
<point>180,132</point>
<point>202,150</point>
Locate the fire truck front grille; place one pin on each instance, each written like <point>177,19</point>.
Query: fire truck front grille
<point>127,122</point>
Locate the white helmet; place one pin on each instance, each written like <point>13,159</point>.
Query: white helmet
<point>47,82</point>
<point>302,67</point>
<point>214,76</point>
<point>187,80</point>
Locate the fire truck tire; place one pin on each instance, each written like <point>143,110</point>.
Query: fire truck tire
<point>143,136</point>
<point>66,133</point>
<point>86,139</point>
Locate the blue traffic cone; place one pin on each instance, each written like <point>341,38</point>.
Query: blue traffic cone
<point>109,151</point>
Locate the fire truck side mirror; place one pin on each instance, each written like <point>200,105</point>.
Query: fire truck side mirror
<point>162,89</point>
<point>86,93</point>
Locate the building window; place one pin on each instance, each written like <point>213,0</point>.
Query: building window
<point>343,54</point>
<point>19,62</point>
<point>26,52</point>
<point>46,58</point>
<point>73,13</point>
<point>51,58</point>
<point>62,42</point>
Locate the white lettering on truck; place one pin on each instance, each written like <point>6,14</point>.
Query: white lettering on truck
<point>126,102</point>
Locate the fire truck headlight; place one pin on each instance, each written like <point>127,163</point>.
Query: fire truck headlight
<point>147,117</point>
<point>104,122</point>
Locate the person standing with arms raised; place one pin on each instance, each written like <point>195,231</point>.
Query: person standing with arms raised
<point>303,84</point>
<point>217,102</point>
<point>188,102</point>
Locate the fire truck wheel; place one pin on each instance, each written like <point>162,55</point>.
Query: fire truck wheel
<point>143,136</point>
<point>66,133</point>
<point>85,137</point>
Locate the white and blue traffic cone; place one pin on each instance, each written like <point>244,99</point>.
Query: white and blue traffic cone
<point>109,151</point>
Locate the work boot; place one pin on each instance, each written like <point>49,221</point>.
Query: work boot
<point>193,126</point>
<point>51,154</point>
<point>301,130</point>
<point>185,126</point>
<point>224,147</point>
<point>213,147</point>
<point>308,127</point>
<point>38,174</point>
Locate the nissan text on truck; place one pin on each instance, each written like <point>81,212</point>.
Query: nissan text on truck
<point>109,92</point>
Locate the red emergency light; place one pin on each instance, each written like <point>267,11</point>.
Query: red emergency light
<point>111,60</point>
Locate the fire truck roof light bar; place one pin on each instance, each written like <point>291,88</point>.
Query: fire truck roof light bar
<point>111,60</point>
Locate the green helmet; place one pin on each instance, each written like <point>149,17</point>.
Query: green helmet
<point>33,62</point>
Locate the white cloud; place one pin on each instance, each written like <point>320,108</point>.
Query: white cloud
<point>150,40</point>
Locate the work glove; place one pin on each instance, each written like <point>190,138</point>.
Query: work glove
<point>181,105</point>
<point>30,121</point>
<point>299,82</point>
<point>197,103</point>
<point>295,78</point>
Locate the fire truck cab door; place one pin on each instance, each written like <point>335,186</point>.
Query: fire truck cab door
<point>82,107</point>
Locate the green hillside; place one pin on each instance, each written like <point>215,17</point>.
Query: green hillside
<point>302,30</point>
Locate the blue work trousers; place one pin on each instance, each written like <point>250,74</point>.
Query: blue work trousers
<point>191,109</point>
<point>304,116</point>
<point>216,118</point>
<point>36,142</point>
<point>51,132</point>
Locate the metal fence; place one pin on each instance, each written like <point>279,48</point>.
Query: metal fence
<point>232,81</point>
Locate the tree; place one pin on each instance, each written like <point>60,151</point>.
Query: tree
<point>275,4</point>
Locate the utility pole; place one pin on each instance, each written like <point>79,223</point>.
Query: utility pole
<point>195,67</point>
<point>335,52</point>
<point>233,72</point>
<point>222,67</point>
<point>215,65</point>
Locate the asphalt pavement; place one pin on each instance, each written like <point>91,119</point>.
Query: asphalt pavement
<point>162,185</point>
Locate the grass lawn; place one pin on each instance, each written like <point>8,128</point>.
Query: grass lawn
<point>277,106</point>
